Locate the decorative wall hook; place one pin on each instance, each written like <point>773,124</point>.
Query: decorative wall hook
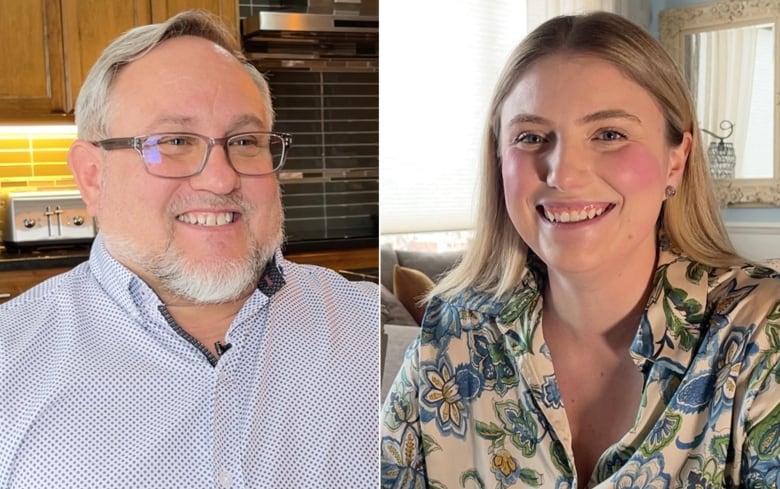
<point>725,125</point>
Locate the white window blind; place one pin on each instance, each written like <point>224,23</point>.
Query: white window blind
<point>439,63</point>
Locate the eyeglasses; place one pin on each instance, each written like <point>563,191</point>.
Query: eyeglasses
<point>184,154</point>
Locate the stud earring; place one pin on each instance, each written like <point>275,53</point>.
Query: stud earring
<point>670,191</point>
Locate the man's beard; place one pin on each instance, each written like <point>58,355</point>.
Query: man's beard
<point>205,280</point>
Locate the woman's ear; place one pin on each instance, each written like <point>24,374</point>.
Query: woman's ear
<point>678,158</point>
<point>86,166</point>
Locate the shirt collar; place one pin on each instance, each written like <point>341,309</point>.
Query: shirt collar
<point>676,312</point>
<point>668,331</point>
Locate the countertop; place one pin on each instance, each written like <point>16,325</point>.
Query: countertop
<point>355,264</point>
<point>43,257</point>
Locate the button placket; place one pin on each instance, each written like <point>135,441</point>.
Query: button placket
<point>229,420</point>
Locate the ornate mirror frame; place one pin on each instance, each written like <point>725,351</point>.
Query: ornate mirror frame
<point>675,23</point>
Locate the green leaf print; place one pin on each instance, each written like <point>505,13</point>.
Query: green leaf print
<point>775,312</point>
<point>559,459</point>
<point>677,327</point>
<point>489,431</point>
<point>429,444</point>
<point>676,296</point>
<point>473,475</point>
<point>695,272</point>
<point>434,484</point>
<point>765,436</point>
<point>531,477</point>
<point>773,333</point>
<point>518,305</point>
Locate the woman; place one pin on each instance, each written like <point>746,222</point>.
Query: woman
<point>600,331</point>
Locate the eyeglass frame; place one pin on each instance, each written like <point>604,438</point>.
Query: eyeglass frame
<point>136,143</point>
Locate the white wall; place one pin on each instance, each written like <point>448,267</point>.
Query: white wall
<point>756,240</point>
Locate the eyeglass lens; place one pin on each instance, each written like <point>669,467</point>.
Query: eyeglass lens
<point>179,155</point>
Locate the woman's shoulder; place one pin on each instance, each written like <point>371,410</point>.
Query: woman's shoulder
<point>763,275</point>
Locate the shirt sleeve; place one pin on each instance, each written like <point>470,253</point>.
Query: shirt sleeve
<point>403,458</point>
<point>760,467</point>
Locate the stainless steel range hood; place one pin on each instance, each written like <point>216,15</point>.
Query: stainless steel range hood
<point>322,34</point>
<point>311,20</point>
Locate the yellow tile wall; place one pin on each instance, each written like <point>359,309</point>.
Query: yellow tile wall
<point>35,158</point>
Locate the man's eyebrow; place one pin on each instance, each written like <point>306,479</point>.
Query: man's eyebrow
<point>245,120</point>
<point>182,121</point>
<point>239,123</point>
<point>609,114</point>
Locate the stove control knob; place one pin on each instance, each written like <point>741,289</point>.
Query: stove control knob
<point>28,223</point>
<point>77,220</point>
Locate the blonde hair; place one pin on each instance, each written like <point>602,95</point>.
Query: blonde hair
<point>496,258</point>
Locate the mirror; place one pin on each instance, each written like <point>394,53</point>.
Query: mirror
<point>727,51</point>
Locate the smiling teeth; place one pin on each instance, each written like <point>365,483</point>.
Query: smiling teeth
<point>573,216</point>
<point>207,218</point>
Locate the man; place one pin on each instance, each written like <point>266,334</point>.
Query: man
<point>187,352</point>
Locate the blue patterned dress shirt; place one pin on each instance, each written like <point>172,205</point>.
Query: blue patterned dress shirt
<point>477,403</point>
<point>99,388</point>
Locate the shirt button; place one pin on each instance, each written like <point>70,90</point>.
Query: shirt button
<point>221,375</point>
<point>225,479</point>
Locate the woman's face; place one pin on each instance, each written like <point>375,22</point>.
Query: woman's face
<point>585,164</point>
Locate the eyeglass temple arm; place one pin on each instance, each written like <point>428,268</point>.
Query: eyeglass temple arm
<point>116,143</point>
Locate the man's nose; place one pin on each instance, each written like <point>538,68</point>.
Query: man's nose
<point>218,175</point>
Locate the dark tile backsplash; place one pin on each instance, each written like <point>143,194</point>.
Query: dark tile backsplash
<point>330,181</point>
<point>330,186</point>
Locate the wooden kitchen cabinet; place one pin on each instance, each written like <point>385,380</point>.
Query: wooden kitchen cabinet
<point>52,44</point>
<point>13,283</point>
<point>226,9</point>
<point>33,63</point>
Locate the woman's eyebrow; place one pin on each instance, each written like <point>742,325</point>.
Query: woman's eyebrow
<point>609,114</point>
<point>523,117</point>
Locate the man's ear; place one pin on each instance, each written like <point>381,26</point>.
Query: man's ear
<point>678,158</point>
<point>85,164</point>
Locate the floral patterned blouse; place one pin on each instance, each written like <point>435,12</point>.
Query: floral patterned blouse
<point>476,404</point>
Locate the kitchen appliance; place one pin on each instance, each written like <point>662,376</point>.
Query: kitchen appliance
<point>46,218</point>
<point>314,35</point>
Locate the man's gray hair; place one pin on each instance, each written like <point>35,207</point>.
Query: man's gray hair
<point>93,106</point>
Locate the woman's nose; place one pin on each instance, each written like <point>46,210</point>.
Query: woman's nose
<point>568,166</point>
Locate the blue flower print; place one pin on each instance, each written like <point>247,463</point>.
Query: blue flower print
<point>494,366</point>
<point>643,341</point>
<point>440,323</point>
<point>730,363</point>
<point>520,423</point>
<point>551,396</point>
<point>663,433</point>
<point>402,463</point>
<point>441,393</point>
<point>703,472</point>
<point>694,394</point>
<point>642,474</point>
<point>400,410</point>
<point>562,483</point>
<point>699,481</point>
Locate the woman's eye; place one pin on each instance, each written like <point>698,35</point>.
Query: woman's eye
<point>610,135</point>
<point>529,138</point>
